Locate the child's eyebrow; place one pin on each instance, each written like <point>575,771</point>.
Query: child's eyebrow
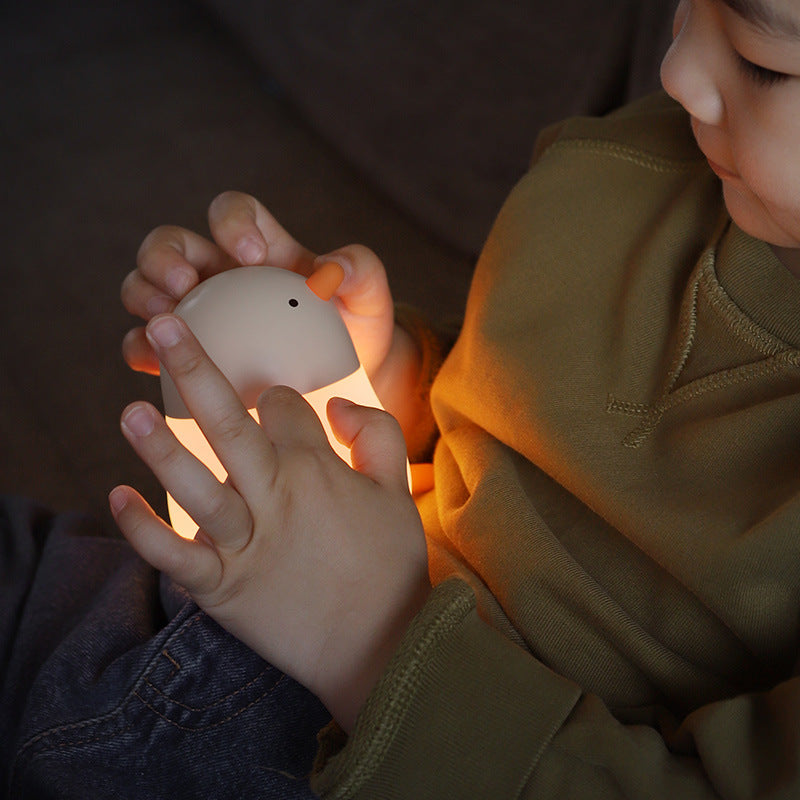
<point>761,15</point>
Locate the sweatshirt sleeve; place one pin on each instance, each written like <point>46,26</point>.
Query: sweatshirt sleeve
<point>462,712</point>
<point>439,719</point>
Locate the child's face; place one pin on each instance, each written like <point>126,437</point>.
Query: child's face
<point>735,66</point>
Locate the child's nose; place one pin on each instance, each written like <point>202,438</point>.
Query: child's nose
<point>688,70</point>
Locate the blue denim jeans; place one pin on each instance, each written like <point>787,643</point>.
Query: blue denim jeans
<point>114,684</point>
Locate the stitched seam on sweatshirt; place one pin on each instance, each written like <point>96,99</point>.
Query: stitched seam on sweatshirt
<point>778,356</point>
<point>687,327</point>
<point>747,330</point>
<point>721,380</point>
<point>626,153</point>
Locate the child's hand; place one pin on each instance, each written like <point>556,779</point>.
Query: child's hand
<point>316,566</point>
<point>171,261</point>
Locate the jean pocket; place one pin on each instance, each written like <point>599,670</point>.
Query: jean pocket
<point>205,717</point>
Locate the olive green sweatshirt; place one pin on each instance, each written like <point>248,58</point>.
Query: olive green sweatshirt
<point>615,527</point>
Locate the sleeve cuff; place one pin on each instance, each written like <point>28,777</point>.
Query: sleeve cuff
<point>460,711</point>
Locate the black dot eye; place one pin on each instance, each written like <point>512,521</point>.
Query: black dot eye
<point>294,303</point>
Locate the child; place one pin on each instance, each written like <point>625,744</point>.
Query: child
<point>612,539</point>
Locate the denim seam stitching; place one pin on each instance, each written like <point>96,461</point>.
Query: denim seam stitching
<point>216,724</point>
<point>114,711</point>
<point>217,702</point>
<point>165,651</point>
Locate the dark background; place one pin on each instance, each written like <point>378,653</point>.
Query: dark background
<point>400,125</point>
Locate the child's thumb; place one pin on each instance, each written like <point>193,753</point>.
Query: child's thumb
<point>377,446</point>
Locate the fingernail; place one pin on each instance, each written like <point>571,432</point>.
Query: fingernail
<point>117,499</point>
<point>250,250</point>
<point>342,260</point>
<point>165,331</point>
<point>138,421</point>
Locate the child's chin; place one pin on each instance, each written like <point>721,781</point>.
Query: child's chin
<point>752,216</point>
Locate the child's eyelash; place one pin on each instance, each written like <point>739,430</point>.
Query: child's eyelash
<point>761,75</point>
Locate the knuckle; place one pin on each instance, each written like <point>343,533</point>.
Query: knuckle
<point>189,363</point>
<point>178,563</point>
<point>215,508</point>
<point>385,428</point>
<point>230,426</point>
<point>362,251</point>
<point>166,452</point>
<point>282,394</point>
<point>229,203</point>
<point>279,397</point>
<point>156,238</point>
<point>161,249</point>
<point>223,588</point>
<point>380,431</point>
<point>378,420</point>
<point>367,261</point>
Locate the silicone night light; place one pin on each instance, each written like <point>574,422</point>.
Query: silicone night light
<point>262,327</point>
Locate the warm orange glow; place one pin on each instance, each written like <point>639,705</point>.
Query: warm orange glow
<point>355,387</point>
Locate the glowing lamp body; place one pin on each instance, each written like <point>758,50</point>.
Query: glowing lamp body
<point>263,327</point>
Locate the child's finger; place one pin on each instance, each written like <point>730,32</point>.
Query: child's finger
<point>289,421</point>
<point>236,438</point>
<point>377,446</point>
<point>143,299</point>
<point>365,289</point>
<point>365,302</point>
<point>251,235</point>
<point>174,259</point>
<point>216,507</point>
<point>193,564</point>
<point>138,353</point>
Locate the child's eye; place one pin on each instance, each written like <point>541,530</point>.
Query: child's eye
<point>760,75</point>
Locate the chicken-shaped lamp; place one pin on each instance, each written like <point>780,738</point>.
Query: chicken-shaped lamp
<point>264,326</point>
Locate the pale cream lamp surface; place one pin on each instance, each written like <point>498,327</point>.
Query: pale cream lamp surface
<point>263,327</point>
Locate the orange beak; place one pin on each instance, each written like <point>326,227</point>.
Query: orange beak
<point>326,280</point>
